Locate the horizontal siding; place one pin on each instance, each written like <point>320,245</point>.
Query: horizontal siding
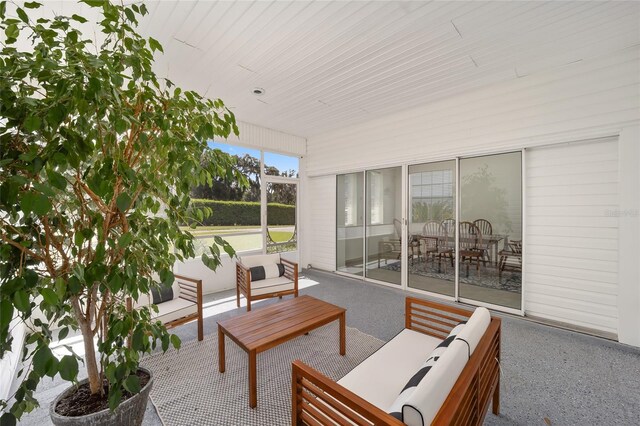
<point>589,94</point>
<point>322,223</point>
<point>572,276</point>
<point>269,140</point>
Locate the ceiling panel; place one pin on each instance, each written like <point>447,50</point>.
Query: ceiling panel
<point>326,65</point>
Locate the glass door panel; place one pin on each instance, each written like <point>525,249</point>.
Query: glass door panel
<point>490,229</point>
<point>431,242</point>
<point>383,225</point>
<point>350,223</point>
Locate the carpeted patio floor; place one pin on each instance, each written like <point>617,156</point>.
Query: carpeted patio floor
<point>549,375</point>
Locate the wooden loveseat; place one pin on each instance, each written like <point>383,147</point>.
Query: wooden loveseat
<point>413,379</point>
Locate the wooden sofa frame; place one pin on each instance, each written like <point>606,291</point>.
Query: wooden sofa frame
<point>318,400</point>
<point>191,290</point>
<point>243,283</point>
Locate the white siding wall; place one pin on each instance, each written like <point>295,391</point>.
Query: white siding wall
<point>321,223</point>
<point>585,100</point>
<point>572,234</point>
<point>575,100</point>
<point>270,140</point>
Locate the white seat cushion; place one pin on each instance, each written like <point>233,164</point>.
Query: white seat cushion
<point>174,309</point>
<point>380,378</point>
<point>271,285</point>
<point>424,403</point>
<point>259,260</point>
<point>475,328</point>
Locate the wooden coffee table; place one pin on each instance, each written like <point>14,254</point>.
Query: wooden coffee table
<point>265,328</point>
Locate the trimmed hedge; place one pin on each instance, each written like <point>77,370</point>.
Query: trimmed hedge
<point>230,213</point>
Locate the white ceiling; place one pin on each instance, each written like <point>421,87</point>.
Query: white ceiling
<point>327,65</point>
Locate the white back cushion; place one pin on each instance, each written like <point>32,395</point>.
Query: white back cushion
<point>260,260</point>
<point>271,270</point>
<point>424,403</point>
<point>475,328</point>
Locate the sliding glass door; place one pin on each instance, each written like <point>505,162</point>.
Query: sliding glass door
<point>384,225</point>
<point>490,229</point>
<point>432,212</point>
<point>459,235</point>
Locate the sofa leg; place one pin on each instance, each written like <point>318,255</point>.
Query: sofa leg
<point>496,400</point>
<point>238,296</point>
<point>200,329</point>
<point>248,304</point>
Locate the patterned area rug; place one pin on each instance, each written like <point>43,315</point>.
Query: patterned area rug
<point>487,277</point>
<point>189,389</point>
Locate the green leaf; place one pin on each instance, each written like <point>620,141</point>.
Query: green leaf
<point>68,368</point>
<point>132,384</point>
<point>94,3</point>
<point>130,15</point>
<point>6,313</point>
<point>155,45</point>
<point>125,239</point>
<point>56,179</point>
<point>21,301</point>
<point>32,123</point>
<point>78,18</point>
<point>123,201</point>
<point>120,126</point>
<point>56,114</point>
<point>34,202</point>
<point>114,398</point>
<point>44,189</point>
<point>49,296</point>
<point>32,5</point>
<point>64,332</point>
<point>43,360</point>
<point>3,9</point>
<point>42,205</point>
<point>22,15</point>
<point>7,419</point>
<point>137,340</point>
<point>175,341</point>
<point>12,31</point>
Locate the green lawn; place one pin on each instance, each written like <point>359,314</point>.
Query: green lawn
<point>239,242</point>
<point>214,230</point>
<point>280,236</point>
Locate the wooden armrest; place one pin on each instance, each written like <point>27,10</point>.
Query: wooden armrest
<point>243,276</point>
<point>432,318</point>
<point>243,267</point>
<point>190,288</point>
<point>290,270</point>
<point>318,400</point>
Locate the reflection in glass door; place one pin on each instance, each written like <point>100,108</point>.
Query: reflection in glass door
<point>384,225</point>
<point>490,229</point>
<point>350,222</point>
<point>431,242</point>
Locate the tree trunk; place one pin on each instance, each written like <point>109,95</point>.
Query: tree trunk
<point>90,359</point>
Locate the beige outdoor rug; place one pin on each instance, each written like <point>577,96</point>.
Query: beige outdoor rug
<point>189,389</point>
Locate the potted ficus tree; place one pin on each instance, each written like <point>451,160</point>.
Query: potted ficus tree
<point>98,156</point>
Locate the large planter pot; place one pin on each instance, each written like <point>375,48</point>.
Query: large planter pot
<point>128,413</point>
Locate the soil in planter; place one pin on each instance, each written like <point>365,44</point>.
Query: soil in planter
<point>82,403</point>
